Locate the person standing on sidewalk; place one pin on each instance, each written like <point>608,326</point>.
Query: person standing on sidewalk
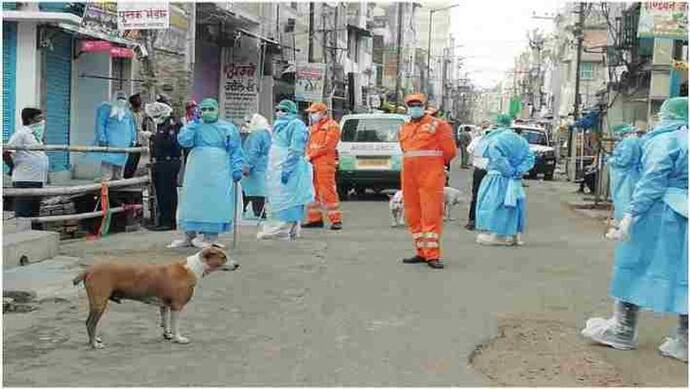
<point>324,136</point>
<point>624,168</point>
<point>501,207</point>
<point>166,156</point>
<point>428,145</point>
<point>115,127</point>
<point>650,270</point>
<point>29,167</point>
<point>479,163</point>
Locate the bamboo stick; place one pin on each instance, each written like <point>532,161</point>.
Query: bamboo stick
<point>78,149</point>
<point>77,189</point>
<point>80,216</point>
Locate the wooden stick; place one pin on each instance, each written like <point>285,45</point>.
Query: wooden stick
<point>77,189</point>
<point>80,216</point>
<point>79,149</point>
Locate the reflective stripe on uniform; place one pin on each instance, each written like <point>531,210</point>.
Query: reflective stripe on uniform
<point>423,153</point>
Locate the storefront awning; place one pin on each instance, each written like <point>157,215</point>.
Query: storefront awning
<point>99,35</point>
<point>39,16</point>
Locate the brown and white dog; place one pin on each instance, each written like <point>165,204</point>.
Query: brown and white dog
<point>169,286</point>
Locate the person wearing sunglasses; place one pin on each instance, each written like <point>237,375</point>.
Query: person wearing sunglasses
<point>428,145</point>
<point>216,160</point>
<point>289,175</point>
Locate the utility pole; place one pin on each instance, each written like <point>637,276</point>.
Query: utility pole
<point>398,54</point>
<point>311,31</point>
<point>576,107</point>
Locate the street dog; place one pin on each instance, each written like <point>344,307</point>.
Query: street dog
<point>169,286</point>
<point>451,198</point>
<point>395,205</point>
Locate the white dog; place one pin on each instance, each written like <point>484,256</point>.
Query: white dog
<point>395,204</point>
<point>451,198</point>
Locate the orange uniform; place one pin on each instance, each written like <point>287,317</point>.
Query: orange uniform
<point>324,136</point>
<point>427,145</point>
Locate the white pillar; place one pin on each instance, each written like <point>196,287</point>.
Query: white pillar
<point>28,91</point>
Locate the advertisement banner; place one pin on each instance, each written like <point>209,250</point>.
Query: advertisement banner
<point>143,16</point>
<point>309,80</point>
<point>101,17</point>
<point>660,19</point>
<point>239,87</point>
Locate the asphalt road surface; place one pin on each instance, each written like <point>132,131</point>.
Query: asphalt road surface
<point>338,308</point>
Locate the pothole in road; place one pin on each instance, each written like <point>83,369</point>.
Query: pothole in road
<point>542,352</point>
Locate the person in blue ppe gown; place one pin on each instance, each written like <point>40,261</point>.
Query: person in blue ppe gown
<point>115,127</point>
<point>651,260</point>
<point>289,175</point>
<point>501,200</point>
<point>624,168</point>
<point>256,149</point>
<point>214,164</point>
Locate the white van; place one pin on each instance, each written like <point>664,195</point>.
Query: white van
<point>369,153</point>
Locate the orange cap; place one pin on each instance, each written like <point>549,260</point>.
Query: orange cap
<point>317,107</point>
<point>420,97</point>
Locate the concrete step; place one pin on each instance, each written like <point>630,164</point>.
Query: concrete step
<point>28,246</point>
<point>10,225</point>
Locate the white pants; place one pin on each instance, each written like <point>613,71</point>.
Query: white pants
<point>272,229</point>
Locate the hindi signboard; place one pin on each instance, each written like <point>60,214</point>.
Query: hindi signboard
<point>309,80</point>
<point>660,19</point>
<point>143,16</point>
<point>239,88</point>
<point>101,17</point>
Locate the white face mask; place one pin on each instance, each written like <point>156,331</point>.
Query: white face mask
<point>315,117</point>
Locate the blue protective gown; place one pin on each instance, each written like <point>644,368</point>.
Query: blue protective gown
<point>287,201</point>
<point>624,171</point>
<point>115,133</point>
<point>651,268</point>
<point>501,198</point>
<point>256,149</point>
<point>208,194</point>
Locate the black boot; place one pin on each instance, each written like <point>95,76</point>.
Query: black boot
<point>469,226</point>
<point>318,224</point>
<point>337,226</point>
<point>415,259</point>
<point>435,264</point>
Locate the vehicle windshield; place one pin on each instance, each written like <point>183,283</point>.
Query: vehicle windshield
<point>533,137</point>
<point>371,130</point>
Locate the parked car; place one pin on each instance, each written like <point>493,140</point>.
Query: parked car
<point>540,144</point>
<point>369,155</point>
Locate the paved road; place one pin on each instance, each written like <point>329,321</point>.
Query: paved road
<point>337,308</point>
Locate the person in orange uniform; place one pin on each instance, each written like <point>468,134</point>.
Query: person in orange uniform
<point>427,145</point>
<point>324,135</point>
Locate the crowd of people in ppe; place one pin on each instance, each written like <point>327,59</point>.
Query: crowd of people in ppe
<point>287,173</point>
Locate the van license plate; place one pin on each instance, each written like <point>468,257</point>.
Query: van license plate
<point>373,163</point>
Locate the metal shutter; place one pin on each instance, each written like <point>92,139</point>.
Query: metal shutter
<point>9,75</point>
<point>58,75</point>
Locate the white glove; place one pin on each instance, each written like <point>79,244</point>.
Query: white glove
<point>623,232</point>
<point>146,134</point>
<point>612,234</point>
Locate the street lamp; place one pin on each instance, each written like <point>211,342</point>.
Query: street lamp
<point>428,49</point>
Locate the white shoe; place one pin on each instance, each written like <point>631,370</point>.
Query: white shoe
<point>200,242</point>
<point>675,348</point>
<point>492,240</point>
<point>518,240</point>
<point>607,332</point>
<point>178,243</point>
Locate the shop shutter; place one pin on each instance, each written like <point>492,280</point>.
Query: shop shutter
<point>9,75</point>
<point>58,75</point>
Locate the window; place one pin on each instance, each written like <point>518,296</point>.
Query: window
<point>587,71</point>
<point>293,5</point>
<point>371,130</point>
<point>534,137</point>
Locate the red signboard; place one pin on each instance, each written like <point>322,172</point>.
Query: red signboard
<point>121,52</point>
<point>96,46</point>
